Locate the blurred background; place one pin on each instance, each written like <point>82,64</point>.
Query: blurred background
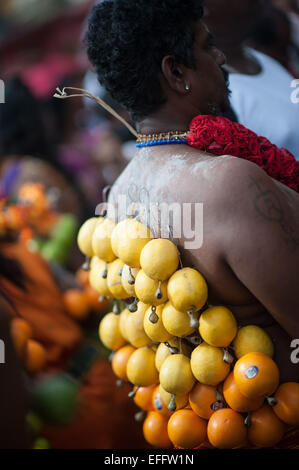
<point>72,147</point>
<point>56,158</point>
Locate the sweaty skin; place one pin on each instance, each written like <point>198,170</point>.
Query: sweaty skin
<point>250,250</point>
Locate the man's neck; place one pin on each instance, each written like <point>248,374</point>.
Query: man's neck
<point>164,121</point>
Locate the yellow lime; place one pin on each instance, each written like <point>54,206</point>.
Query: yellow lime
<point>127,240</point>
<point>252,338</point>
<point>95,261</point>
<point>141,369</point>
<point>177,323</point>
<point>150,291</point>
<point>176,375</point>
<point>187,290</point>
<point>163,351</point>
<point>97,278</point>
<point>153,325</point>
<point>114,280</point>
<point>217,326</point>
<point>159,259</point>
<point>109,332</point>
<point>134,327</point>
<point>123,316</point>
<point>179,400</point>
<point>207,364</point>
<point>84,239</point>
<point>101,240</point>
<point>128,279</point>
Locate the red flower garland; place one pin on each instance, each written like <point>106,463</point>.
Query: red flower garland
<point>220,136</point>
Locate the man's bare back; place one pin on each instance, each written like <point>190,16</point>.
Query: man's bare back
<point>250,248</point>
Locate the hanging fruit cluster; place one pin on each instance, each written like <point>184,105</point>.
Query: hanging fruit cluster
<point>199,378</point>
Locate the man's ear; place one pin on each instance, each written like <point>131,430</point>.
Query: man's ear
<point>174,74</point>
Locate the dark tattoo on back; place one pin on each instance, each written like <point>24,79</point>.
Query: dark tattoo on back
<point>269,206</point>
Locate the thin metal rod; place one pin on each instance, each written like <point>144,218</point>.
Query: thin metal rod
<point>84,93</point>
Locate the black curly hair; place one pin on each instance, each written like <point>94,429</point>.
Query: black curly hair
<point>127,40</point>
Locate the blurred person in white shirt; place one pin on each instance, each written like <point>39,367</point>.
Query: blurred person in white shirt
<point>261,87</point>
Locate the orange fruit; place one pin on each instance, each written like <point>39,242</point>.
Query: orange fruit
<point>120,360</point>
<point>21,332</point>
<point>76,303</point>
<point>186,429</point>
<point>287,407</point>
<point>93,300</point>
<point>236,400</point>
<point>35,356</point>
<point>20,324</point>
<point>158,405</point>
<point>226,429</point>
<point>201,399</point>
<point>26,234</point>
<point>266,429</point>
<point>155,430</point>
<point>256,375</point>
<point>144,397</point>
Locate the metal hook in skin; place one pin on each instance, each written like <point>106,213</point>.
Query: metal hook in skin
<point>86,264</point>
<point>140,416</point>
<point>218,395</point>
<point>247,420</point>
<point>172,404</point>
<point>105,272</point>
<point>153,318</point>
<point>116,309</point>
<point>271,401</point>
<point>111,356</point>
<point>172,349</point>
<point>194,339</point>
<point>106,192</point>
<point>133,306</point>
<point>133,393</point>
<point>227,357</point>
<point>194,323</point>
<point>159,293</point>
<point>131,279</point>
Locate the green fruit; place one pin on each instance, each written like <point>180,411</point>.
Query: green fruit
<point>54,251</point>
<point>34,423</point>
<point>55,398</point>
<point>35,245</point>
<point>65,230</point>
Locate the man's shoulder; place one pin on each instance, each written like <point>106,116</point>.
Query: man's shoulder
<point>225,174</point>
<point>225,186</point>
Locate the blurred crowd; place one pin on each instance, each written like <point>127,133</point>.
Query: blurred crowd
<point>79,147</point>
<point>71,145</point>
<point>75,149</point>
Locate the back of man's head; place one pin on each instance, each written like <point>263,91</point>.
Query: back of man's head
<point>127,40</point>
